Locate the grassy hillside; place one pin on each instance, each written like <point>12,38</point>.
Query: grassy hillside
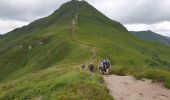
<point>168,38</point>
<point>114,41</point>
<point>55,83</point>
<point>151,36</point>
<point>0,36</point>
<point>36,46</point>
<point>43,59</point>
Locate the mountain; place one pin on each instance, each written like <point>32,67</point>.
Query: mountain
<point>49,41</point>
<point>151,36</point>
<point>168,38</point>
<point>43,60</point>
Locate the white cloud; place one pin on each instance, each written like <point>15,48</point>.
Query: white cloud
<point>27,9</point>
<point>8,25</point>
<point>136,27</point>
<point>162,28</point>
<point>135,11</point>
<point>16,13</point>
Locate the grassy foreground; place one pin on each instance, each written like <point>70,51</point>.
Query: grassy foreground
<point>56,84</point>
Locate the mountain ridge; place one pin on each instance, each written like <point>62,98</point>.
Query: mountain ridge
<point>151,36</point>
<point>44,58</point>
<point>92,28</point>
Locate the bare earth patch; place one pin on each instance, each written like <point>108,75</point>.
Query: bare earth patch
<point>128,88</point>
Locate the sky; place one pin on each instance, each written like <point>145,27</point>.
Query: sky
<point>135,15</point>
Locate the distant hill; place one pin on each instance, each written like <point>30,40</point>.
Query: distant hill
<point>152,36</point>
<point>168,38</point>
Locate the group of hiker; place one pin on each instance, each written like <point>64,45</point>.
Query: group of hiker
<point>103,65</point>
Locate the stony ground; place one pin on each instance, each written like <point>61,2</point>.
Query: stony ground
<point>128,88</point>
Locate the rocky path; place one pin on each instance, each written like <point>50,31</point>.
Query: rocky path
<point>128,88</point>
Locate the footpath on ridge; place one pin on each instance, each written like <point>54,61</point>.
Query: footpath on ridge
<point>128,88</point>
<point>74,23</point>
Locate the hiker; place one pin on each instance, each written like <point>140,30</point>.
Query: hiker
<point>101,67</point>
<point>107,65</point>
<point>83,67</point>
<point>91,68</point>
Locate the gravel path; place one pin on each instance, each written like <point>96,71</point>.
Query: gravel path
<point>128,88</point>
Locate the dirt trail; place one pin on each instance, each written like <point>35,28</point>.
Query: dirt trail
<point>94,53</point>
<point>74,23</point>
<point>128,88</point>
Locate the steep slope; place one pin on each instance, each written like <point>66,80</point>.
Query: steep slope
<point>168,38</point>
<point>111,39</point>
<point>0,36</point>
<point>50,41</point>
<point>28,52</point>
<point>151,36</point>
<point>74,34</point>
<point>41,44</point>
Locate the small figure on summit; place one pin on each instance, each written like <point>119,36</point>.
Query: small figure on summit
<point>74,0</point>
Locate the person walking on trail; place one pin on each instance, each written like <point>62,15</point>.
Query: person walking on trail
<point>83,67</point>
<point>101,67</point>
<point>107,65</point>
<point>91,68</point>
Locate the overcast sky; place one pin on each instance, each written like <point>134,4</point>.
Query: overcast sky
<point>135,15</point>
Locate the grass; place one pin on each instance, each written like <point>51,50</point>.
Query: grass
<point>31,73</point>
<point>55,83</point>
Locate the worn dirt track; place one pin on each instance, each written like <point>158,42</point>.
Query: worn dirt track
<point>128,88</point>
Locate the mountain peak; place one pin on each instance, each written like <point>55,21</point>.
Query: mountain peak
<point>150,31</point>
<point>76,0</point>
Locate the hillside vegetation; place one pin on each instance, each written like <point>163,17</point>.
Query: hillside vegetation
<point>43,59</point>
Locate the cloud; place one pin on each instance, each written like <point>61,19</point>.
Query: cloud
<point>16,13</point>
<point>6,25</point>
<point>162,27</point>
<point>135,11</point>
<point>27,10</point>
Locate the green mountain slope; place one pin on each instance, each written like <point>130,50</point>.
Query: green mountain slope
<point>39,45</point>
<point>42,60</point>
<point>151,36</point>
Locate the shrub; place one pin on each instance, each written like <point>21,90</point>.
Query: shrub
<point>155,74</point>
<point>167,83</point>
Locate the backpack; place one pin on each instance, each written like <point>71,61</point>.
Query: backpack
<point>104,62</point>
<point>108,63</point>
<point>101,65</point>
